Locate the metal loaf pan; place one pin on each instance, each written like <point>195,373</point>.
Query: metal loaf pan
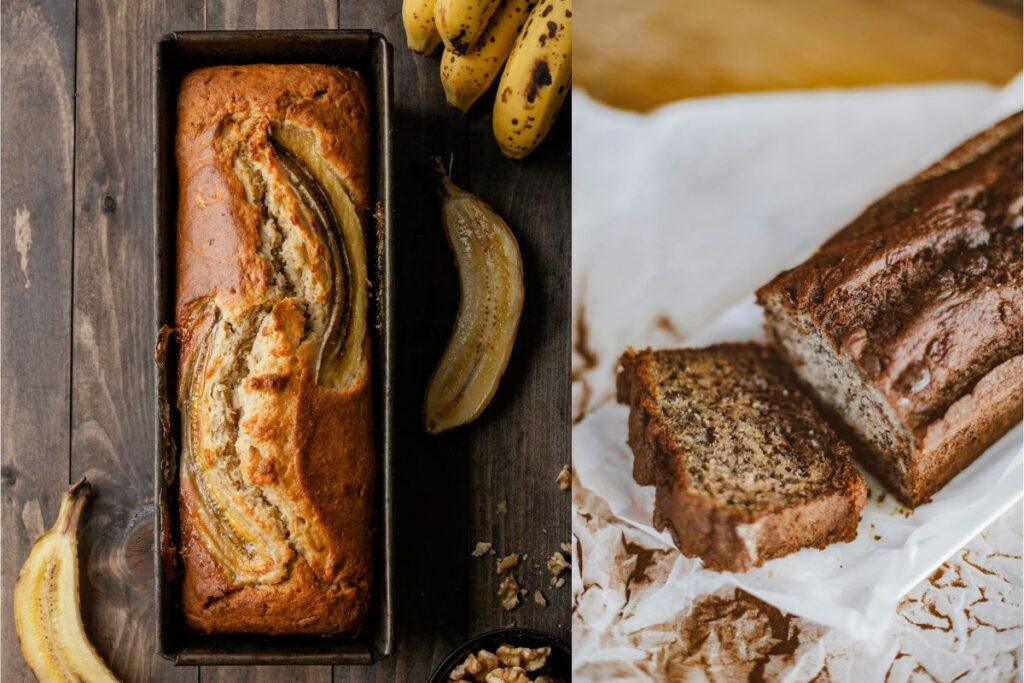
<point>176,54</point>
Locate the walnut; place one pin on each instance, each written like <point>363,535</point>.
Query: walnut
<point>469,667</point>
<point>557,565</point>
<point>528,658</point>
<point>508,593</point>
<point>564,478</point>
<point>488,660</point>
<point>475,667</point>
<point>567,548</point>
<point>539,598</point>
<point>481,549</point>
<point>559,583</point>
<point>510,675</point>
<point>507,562</point>
<point>502,507</point>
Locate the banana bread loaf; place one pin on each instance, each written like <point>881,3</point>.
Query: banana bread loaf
<point>745,468</point>
<point>907,323</point>
<point>277,460</point>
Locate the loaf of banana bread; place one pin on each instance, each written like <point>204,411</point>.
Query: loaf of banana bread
<point>745,469</point>
<point>907,322</point>
<point>277,461</point>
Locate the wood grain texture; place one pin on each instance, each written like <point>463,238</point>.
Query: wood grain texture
<point>113,328</point>
<point>82,397</point>
<point>38,75</point>
<point>642,53</point>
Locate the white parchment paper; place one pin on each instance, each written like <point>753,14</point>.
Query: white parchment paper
<point>677,216</point>
<point>854,586</point>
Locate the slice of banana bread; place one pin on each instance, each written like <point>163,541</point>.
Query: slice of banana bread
<point>745,467</point>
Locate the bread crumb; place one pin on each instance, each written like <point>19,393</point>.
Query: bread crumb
<point>481,549</point>
<point>538,598</point>
<point>508,593</point>
<point>557,565</point>
<point>564,478</point>
<point>507,562</point>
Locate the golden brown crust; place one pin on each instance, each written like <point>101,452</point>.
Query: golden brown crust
<point>299,451</point>
<point>920,298</point>
<point>725,537</point>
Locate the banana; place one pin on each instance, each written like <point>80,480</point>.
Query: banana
<point>420,31</point>
<point>491,282</point>
<point>460,22</point>
<point>46,611</point>
<point>466,77</point>
<point>535,80</point>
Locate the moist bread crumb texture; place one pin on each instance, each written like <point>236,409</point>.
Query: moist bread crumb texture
<point>745,468</point>
<point>907,323</point>
<point>277,462</point>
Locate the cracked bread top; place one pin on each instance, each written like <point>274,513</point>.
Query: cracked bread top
<point>277,461</point>
<point>731,423</point>
<point>923,290</point>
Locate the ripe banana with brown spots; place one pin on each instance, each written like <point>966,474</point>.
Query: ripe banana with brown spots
<point>461,22</point>
<point>466,77</point>
<point>420,30</point>
<point>46,609</point>
<point>491,286</point>
<point>536,79</point>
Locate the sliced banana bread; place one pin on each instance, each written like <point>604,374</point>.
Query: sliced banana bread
<point>745,468</point>
<point>907,322</point>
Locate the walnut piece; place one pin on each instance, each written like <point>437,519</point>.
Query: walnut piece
<point>508,593</point>
<point>510,675</point>
<point>527,658</point>
<point>481,549</point>
<point>507,562</point>
<point>539,598</point>
<point>557,565</point>
<point>564,478</point>
<point>470,667</point>
<point>509,664</point>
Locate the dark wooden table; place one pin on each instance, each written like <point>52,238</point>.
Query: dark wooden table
<point>77,333</point>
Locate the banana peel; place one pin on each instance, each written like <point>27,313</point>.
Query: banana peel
<point>491,284</point>
<point>47,616</point>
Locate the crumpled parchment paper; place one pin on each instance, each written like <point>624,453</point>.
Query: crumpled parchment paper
<point>677,215</point>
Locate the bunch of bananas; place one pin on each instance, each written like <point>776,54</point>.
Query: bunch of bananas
<point>531,39</point>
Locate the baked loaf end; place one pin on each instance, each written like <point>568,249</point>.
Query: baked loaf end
<point>277,464</point>
<point>907,322</point>
<point>745,468</point>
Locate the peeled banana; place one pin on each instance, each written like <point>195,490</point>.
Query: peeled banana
<point>460,22</point>
<point>420,31</point>
<point>536,79</point>
<point>491,282</point>
<point>46,611</point>
<point>466,77</point>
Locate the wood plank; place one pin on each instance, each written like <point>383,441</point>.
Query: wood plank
<point>113,326</point>
<point>523,439</point>
<point>266,14</point>
<point>656,51</point>
<point>36,106</point>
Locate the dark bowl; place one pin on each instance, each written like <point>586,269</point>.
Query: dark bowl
<point>559,663</point>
